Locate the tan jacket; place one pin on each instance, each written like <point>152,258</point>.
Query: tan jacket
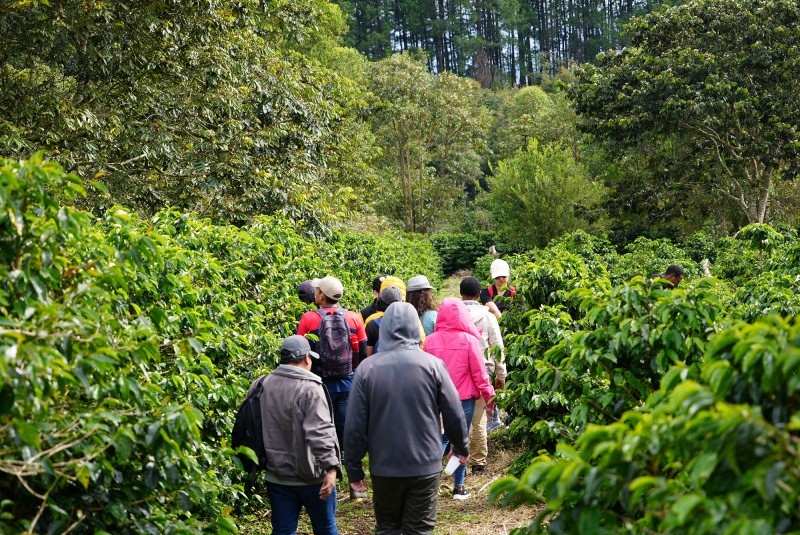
<point>490,336</point>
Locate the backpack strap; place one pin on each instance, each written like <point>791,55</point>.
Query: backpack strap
<point>250,484</point>
<point>511,289</point>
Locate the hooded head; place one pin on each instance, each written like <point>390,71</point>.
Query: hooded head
<point>454,317</point>
<point>400,328</point>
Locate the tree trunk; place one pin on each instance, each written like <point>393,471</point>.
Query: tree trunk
<point>405,179</point>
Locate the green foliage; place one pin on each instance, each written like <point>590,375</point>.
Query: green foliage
<point>756,250</point>
<point>619,343</point>
<point>532,114</point>
<point>126,346</point>
<point>431,129</point>
<point>656,410</point>
<point>461,251</point>
<point>700,246</point>
<point>703,96</point>
<point>709,453</point>
<point>357,259</point>
<point>540,194</point>
<point>218,108</point>
<point>645,257</point>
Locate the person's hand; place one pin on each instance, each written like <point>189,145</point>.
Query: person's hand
<point>499,383</point>
<point>359,486</point>
<point>328,484</point>
<point>463,459</point>
<point>490,408</point>
<point>492,306</point>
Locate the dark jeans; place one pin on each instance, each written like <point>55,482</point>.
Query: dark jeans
<point>339,402</point>
<point>288,500</point>
<point>468,406</point>
<point>405,505</point>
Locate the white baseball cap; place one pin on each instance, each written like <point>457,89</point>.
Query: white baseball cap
<point>330,286</point>
<point>500,268</point>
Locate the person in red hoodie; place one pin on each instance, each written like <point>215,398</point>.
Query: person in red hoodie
<point>456,341</point>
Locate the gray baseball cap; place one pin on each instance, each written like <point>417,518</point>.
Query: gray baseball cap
<point>391,294</point>
<point>296,346</point>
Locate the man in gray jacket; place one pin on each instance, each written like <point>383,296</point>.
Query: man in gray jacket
<point>395,403</point>
<point>300,441</point>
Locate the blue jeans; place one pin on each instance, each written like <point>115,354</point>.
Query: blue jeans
<point>288,500</point>
<point>339,402</point>
<point>469,410</point>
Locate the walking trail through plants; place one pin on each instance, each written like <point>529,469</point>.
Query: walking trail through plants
<point>469,517</point>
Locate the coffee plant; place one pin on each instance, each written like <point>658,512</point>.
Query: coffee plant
<point>648,409</point>
<point>126,346</point>
<point>713,452</point>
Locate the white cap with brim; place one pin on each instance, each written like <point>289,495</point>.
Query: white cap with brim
<point>500,268</point>
<point>330,286</point>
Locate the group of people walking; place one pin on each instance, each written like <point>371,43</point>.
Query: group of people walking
<point>404,381</point>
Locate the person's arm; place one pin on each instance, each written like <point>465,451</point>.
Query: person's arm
<point>328,484</point>
<point>492,306</point>
<point>361,343</point>
<point>303,325</point>
<point>496,339</point>
<point>429,322</point>
<point>477,370</point>
<point>318,428</point>
<point>363,353</point>
<point>373,332</point>
<point>485,297</point>
<point>355,429</point>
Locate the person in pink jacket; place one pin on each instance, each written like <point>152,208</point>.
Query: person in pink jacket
<point>456,341</point>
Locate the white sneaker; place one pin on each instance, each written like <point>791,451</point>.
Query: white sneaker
<point>461,493</point>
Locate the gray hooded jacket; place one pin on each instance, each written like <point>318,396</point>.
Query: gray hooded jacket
<point>395,403</point>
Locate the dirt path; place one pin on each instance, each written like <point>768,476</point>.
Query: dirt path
<point>468,517</point>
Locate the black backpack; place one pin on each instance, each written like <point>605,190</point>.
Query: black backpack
<point>247,430</point>
<point>335,351</point>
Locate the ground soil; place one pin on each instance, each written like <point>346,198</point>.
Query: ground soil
<point>474,516</point>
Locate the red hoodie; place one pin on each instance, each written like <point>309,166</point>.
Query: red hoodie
<point>456,341</point>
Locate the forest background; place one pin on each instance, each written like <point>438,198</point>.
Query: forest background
<point>175,169</point>
<point>425,115</point>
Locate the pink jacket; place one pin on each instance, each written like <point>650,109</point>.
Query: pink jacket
<point>456,341</point>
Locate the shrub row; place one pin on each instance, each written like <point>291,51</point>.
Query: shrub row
<point>126,346</point>
<point>647,409</point>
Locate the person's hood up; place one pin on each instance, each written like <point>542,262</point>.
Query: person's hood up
<point>454,316</point>
<point>399,328</point>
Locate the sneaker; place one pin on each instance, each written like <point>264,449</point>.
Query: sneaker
<point>478,469</point>
<point>460,493</point>
<point>357,495</point>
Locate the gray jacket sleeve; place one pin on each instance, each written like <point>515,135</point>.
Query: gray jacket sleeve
<point>355,429</point>
<point>319,430</point>
<point>455,426</point>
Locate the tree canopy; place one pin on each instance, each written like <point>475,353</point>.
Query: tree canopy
<point>714,80</point>
<point>217,107</point>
